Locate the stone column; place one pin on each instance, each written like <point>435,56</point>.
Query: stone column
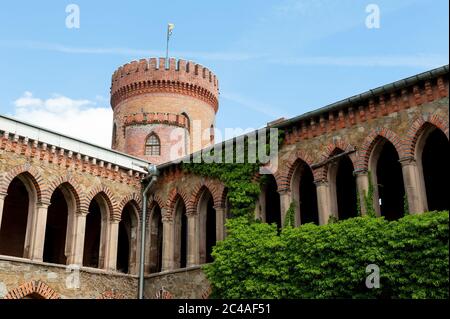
<point>285,202</point>
<point>2,202</point>
<point>220,223</point>
<point>112,242</point>
<point>148,247</point>
<point>412,185</point>
<point>168,243</point>
<point>193,243</point>
<point>362,185</point>
<point>79,229</point>
<point>38,232</point>
<point>323,201</point>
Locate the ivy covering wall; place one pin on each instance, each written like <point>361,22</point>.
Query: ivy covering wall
<point>329,261</point>
<point>258,261</point>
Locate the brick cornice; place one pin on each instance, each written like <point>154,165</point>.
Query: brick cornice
<point>182,88</point>
<point>157,118</point>
<point>156,76</point>
<point>376,106</point>
<point>69,160</point>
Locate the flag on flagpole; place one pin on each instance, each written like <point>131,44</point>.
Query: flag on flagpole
<point>170,28</point>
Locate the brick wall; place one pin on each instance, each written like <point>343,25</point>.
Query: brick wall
<point>22,278</point>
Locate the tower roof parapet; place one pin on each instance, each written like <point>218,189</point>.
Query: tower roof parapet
<point>153,75</point>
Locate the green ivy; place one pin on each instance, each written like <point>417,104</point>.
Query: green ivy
<point>405,204</point>
<point>290,216</point>
<point>358,203</point>
<point>329,261</point>
<point>240,180</point>
<point>369,198</point>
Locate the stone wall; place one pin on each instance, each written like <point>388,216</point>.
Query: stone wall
<point>188,283</point>
<point>93,283</point>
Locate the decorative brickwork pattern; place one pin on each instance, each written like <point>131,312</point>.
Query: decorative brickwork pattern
<point>149,76</point>
<point>109,197</point>
<point>418,127</point>
<point>30,288</point>
<point>321,173</point>
<point>216,190</point>
<point>134,198</point>
<point>65,159</point>
<point>285,176</point>
<point>156,118</point>
<point>32,175</point>
<point>66,181</point>
<point>174,195</point>
<point>370,142</point>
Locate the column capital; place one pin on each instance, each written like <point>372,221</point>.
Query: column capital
<point>284,191</point>
<point>43,204</point>
<point>3,195</point>
<point>407,160</point>
<point>191,213</point>
<point>361,172</point>
<point>321,182</point>
<point>82,213</point>
<point>219,207</point>
<point>166,219</point>
<point>114,220</point>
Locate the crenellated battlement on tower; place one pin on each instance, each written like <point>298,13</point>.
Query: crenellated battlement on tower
<point>152,75</point>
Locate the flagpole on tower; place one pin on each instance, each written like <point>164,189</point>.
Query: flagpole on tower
<point>170,27</point>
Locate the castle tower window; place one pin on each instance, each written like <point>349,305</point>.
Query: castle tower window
<point>153,145</point>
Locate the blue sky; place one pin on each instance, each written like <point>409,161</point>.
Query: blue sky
<point>273,58</point>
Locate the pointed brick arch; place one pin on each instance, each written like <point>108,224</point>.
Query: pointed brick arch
<point>72,185</point>
<point>32,287</point>
<point>133,197</point>
<point>285,176</point>
<point>418,127</point>
<point>31,172</point>
<point>362,162</point>
<point>321,173</point>
<point>154,200</point>
<point>109,197</point>
<point>215,189</point>
<point>172,199</point>
<point>135,202</point>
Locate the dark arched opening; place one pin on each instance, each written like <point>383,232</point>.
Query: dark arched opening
<point>210,229</point>
<point>309,212</point>
<point>272,199</point>
<point>91,253</point>
<point>345,189</point>
<point>124,244</point>
<point>156,240</point>
<point>391,191</point>
<point>435,159</point>
<point>56,229</point>
<point>15,218</point>
<point>181,234</point>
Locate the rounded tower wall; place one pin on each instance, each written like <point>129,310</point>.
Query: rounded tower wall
<point>147,98</point>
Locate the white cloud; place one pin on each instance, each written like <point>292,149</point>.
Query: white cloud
<point>81,119</point>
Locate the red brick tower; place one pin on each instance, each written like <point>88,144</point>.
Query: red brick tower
<point>161,112</point>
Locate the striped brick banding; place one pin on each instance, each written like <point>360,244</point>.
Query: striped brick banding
<point>32,288</point>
